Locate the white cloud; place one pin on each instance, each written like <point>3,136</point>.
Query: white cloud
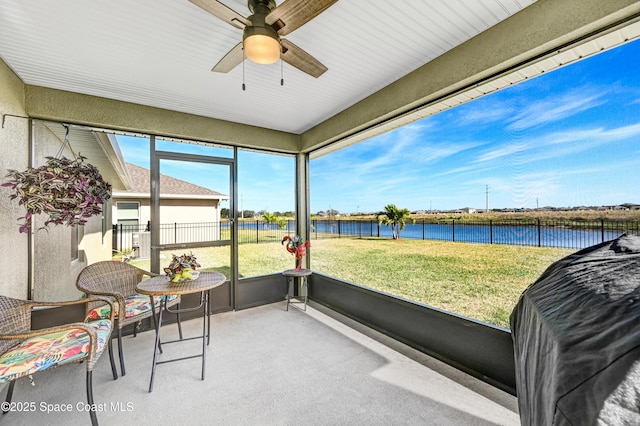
<point>565,144</point>
<point>503,151</point>
<point>555,108</point>
<point>487,112</point>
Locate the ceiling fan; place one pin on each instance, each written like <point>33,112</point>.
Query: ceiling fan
<point>261,42</point>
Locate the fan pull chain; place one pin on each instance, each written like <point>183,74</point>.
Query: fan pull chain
<point>281,73</point>
<point>243,61</point>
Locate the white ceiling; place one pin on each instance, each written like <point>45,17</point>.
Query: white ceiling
<point>160,53</point>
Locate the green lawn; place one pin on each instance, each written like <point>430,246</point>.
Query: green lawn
<point>480,281</point>
<point>475,280</point>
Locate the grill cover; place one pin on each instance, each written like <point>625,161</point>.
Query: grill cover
<point>576,336</point>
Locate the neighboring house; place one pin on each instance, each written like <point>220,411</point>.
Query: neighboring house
<point>181,203</point>
<point>468,210</point>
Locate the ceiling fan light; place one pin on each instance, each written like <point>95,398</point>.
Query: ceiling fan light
<point>261,45</point>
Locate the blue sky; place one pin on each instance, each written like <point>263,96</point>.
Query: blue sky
<point>265,181</point>
<point>567,138</point>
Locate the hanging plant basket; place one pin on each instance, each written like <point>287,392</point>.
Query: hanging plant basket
<point>68,191</point>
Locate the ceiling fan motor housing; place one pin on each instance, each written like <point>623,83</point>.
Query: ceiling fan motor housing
<point>267,50</point>
<point>255,5</point>
<point>260,10</point>
<point>261,42</point>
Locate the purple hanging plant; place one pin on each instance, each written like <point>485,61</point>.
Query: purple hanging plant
<point>69,191</point>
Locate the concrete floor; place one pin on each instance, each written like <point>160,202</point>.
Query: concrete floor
<point>268,366</point>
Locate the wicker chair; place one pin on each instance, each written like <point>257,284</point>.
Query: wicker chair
<point>118,280</point>
<point>24,352</point>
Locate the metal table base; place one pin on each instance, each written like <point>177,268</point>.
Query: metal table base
<point>206,333</point>
<point>291,276</point>
<point>160,286</point>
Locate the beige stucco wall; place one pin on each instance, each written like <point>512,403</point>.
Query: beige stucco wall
<point>174,210</point>
<point>13,155</point>
<point>188,211</point>
<point>54,272</point>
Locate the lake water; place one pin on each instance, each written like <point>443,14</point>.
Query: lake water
<point>528,235</point>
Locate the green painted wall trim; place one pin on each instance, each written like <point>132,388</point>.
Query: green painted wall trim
<point>75,108</point>
<point>539,28</point>
<point>11,90</point>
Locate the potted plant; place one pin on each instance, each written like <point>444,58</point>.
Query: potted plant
<point>182,268</point>
<point>68,191</point>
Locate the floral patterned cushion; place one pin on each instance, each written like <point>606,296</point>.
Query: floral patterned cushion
<point>134,305</point>
<point>49,350</point>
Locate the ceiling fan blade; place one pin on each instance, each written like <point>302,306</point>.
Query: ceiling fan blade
<point>223,12</point>
<point>295,56</point>
<point>231,60</point>
<point>293,14</point>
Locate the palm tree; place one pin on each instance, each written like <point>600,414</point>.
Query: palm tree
<point>394,218</point>
<point>273,219</point>
<point>269,218</point>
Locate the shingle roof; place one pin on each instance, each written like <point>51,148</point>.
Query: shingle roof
<point>140,178</point>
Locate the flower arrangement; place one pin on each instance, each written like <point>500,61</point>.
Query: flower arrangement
<point>297,246</point>
<point>69,191</point>
<point>182,268</point>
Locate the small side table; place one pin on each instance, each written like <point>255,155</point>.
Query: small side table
<point>291,275</point>
<point>161,286</point>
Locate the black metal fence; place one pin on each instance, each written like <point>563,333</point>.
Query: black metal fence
<point>572,234</point>
<point>258,231</point>
<point>128,237</point>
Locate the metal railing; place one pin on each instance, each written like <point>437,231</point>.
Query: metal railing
<point>572,234</point>
<point>128,237</point>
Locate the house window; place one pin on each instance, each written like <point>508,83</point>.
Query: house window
<point>128,213</point>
